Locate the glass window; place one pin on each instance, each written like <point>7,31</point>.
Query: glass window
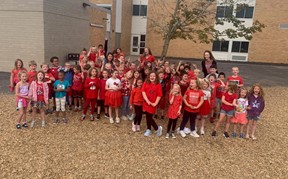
<point>244,47</point>
<point>240,47</point>
<point>235,46</point>
<point>224,11</point>
<point>244,11</point>
<point>220,46</point>
<point>135,41</point>
<point>139,10</point>
<point>249,12</point>
<point>143,10</point>
<point>224,46</point>
<point>136,10</point>
<point>216,46</point>
<point>143,37</point>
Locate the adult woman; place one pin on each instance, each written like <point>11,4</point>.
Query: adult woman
<point>147,57</point>
<point>207,62</point>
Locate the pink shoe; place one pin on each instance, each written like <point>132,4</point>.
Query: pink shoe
<point>133,127</point>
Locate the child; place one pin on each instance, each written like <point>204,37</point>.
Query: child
<point>227,108</point>
<point>55,67</point>
<point>49,79</point>
<point>174,110</point>
<point>77,87</point>
<point>205,109</point>
<point>101,97</point>
<point>220,87</point>
<point>32,73</point>
<point>18,67</point>
<point>152,93</point>
<point>136,101</point>
<point>162,103</point>
<point>61,86</point>
<point>69,77</point>
<point>256,106</point>
<point>39,92</point>
<point>21,91</point>
<point>92,54</point>
<point>113,96</point>
<point>235,77</point>
<point>184,83</point>
<point>213,70</point>
<point>126,92</point>
<point>92,85</point>
<point>193,99</point>
<point>240,113</point>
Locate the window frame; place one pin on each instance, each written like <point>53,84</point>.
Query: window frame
<point>240,47</point>
<point>221,44</point>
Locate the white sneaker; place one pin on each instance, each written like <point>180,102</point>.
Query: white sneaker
<point>182,133</point>
<point>147,133</point>
<point>111,120</point>
<point>32,124</point>
<point>202,131</point>
<point>173,135</point>
<point>159,131</point>
<point>43,124</point>
<point>117,120</point>
<point>167,136</point>
<point>187,130</point>
<point>194,134</point>
<point>133,127</point>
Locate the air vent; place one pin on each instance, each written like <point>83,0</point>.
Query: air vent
<point>239,58</point>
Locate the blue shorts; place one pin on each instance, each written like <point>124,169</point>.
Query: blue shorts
<point>255,118</point>
<point>228,113</point>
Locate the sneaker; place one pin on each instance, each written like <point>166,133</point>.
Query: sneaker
<point>187,130</point>
<point>55,121</point>
<point>137,128</point>
<point>241,135</point>
<point>98,117</point>
<point>47,112</point>
<point>133,127</point>
<point>106,115</point>
<point>167,135</point>
<point>131,117</point>
<point>147,133</point>
<point>182,133</point>
<point>32,124</point>
<point>43,124</point>
<point>247,136</point>
<point>226,135</point>
<point>213,134</point>
<point>18,126</point>
<point>194,134</point>
<point>111,120</point>
<point>202,131</point>
<point>83,117</point>
<point>75,109</point>
<point>117,120</point>
<point>124,118</point>
<point>65,120</point>
<point>91,117</point>
<point>234,134</point>
<point>159,131</point>
<point>253,137</point>
<point>25,125</point>
<point>173,135</point>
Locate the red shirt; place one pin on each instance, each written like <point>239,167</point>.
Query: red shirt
<point>229,98</point>
<point>174,107</point>
<point>184,87</point>
<point>152,92</point>
<point>220,90</point>
<point>191,75</point>
<point>238,80</point>
<point>77,82</point>
<point>91,88</point>
<point>15,74</point>
<point>92,57</point>
<point>31,76</point>
<point>148,58</point>
<point>136,97</point>
<point>40,92</point>
<point>102,89</point>
<point>54,72</point>
<point>193,98</point>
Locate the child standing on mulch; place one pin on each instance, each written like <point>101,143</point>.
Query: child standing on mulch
<point>113,96</point>
<point>174,110</point>
<point>101,97</point>
<point>39,92</point>
<point>77,87</point>
<point>136,101</point>
<point>92,85</point>
<point>18,67</point>
<point>240,113</point>
<point>61,86</point>
<point>256,106</point>
<point>152,93</point>
<point>21,91</point>
<point>227,108</point>
<point>193,99</point>
<point>126,92</point>
<point>236,78</point>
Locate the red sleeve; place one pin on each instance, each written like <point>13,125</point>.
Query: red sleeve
<point>152,58</point>
<point>86,84</point>
<point>241,81</point>
<point>132,96</point>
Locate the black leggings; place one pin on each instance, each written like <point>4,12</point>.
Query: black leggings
<point>138,112</point>
<point>186,117</point>
<point>172,122</point>
<point>150,121</point>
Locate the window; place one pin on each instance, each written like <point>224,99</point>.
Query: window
<point>220,46</point>
<point>224,11</point>
<point>240,47</point>
<point>244,11</point>
<point>139,10</point>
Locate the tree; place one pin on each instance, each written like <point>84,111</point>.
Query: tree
<point>196,20</point>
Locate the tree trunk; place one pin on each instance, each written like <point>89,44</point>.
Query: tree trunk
<point>165,47</point>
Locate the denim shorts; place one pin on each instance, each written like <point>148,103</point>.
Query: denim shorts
<point>228,113</point>
<point>255,118</point>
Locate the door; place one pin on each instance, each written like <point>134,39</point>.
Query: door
<point>135,45</point>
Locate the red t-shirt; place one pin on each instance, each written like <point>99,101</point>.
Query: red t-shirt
<point>136,97</point>
<point>220,90</point>
<point>174,107</point>
<point>238,80</point>
<point>148,58</point>
<point>40,92</point>
<point>191,75</point>
<point>15,74</point>
<point>92,57</point>
<point>229,98</point>
<point>91,88</point>
<point>102,89</point>
<point>77,82</point>
<point>193,98</point>
<point>152,92</point>
<point>54,72</point>
<point>184,87</point>
<point>31,76</point>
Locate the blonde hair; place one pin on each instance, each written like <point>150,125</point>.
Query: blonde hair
<point>202,81</point>
<point>21,73</point>
<point>179,89</point>
<point>242,89</point>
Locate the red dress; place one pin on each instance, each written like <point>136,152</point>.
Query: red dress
<point>205,108</point>
<point>174,107</point>
<point>152,92</point>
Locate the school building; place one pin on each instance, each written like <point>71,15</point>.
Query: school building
<point>39,29</point>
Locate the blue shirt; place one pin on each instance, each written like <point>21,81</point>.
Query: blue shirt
<point>61,85</point>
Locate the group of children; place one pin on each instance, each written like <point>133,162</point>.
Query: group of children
<point>153,87</point>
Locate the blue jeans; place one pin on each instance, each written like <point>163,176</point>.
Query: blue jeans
<point>125,105</point>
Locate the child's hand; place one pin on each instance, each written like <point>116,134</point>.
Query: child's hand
<point>178,113</point>
<point>153,104</point>
<point>192,107</point>
<point>131,107</point>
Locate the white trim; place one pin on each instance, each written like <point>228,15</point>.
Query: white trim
<point>118,17</point>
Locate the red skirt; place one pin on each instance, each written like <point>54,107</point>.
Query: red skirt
<point>113,99</point>
<point>205,108</point>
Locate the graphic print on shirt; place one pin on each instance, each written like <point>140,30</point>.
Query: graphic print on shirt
<point>116,84</point>
<point>193,97</point>
<point>92,85</point>
<point>39,90</point>
<point>24,90</point>
<point>207,94</point>
<point>255,104</point>
<point>241,105</point>
<point>60,86</point>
